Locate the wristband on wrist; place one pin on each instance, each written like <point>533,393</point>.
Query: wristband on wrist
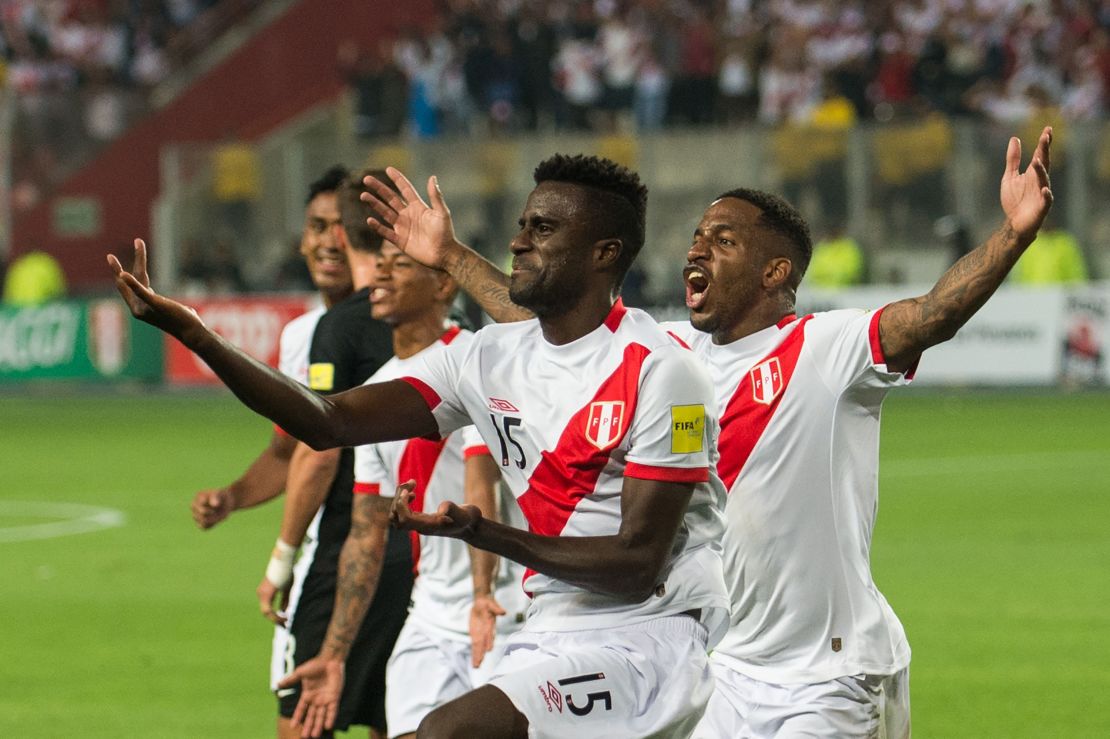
<point>279,571</point>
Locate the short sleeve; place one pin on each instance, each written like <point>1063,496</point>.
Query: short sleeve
<point>287,357</point>
<point>371,475</point>
<point>436,375</point>
<point>674,423</point>
<point>473,445</point>
<point>847,350</point>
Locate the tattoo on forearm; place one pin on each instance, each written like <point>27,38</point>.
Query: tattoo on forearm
<point>911,326</point>
<point>360,569</point>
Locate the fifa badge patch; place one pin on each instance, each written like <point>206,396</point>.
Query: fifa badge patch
<point>321,376</point>
<point>837,645</point>
<point>687,428</point>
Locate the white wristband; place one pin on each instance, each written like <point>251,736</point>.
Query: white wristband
<point>280,569</point>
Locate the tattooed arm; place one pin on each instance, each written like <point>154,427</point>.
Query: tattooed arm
<point>427,234</point>
<point>909,327</point>
<point>360,568</point>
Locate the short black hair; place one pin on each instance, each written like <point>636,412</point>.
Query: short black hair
<point>622,204</point>
<point>328,182</point>
<point>782,218</point>
<point>353,211</point>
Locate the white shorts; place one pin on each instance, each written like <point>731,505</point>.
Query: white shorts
<point>645,680</point>
<point>427,670</point>
<point>855,707</point>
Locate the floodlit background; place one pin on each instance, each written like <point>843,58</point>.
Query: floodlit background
<point>198,124</point>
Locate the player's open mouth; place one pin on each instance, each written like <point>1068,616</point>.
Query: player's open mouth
<point>697,287</point>
<point>379,294</point>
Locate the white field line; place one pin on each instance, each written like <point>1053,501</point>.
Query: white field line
<point>76,519</point>
<point>995,463</point>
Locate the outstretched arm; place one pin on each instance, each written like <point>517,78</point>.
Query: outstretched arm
<point>427,234</point>
<point>366,414</point>
<point>909,327</point>
<point>627,564</point>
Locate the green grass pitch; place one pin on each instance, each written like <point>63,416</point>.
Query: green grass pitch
<point>991,545</point>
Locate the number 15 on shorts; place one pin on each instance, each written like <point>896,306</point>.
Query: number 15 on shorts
<point>577,694</point>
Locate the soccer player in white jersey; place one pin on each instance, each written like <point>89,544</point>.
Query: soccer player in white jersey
<point>606,433</point>
<point>813,648</point>
<point>432,660</point>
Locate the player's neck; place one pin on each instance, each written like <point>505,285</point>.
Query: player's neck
<point>412,337</point>
<point>760,317</point>
<point>590,312</point>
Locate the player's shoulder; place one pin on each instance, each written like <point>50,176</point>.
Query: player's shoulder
<point>304,324</point>
<point>836,321</point>
<point>638,326</point>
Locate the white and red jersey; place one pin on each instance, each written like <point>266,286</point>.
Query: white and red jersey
<point>799,454</point>
<point>568,423</point>
<point>443,591</point>
<point>294,343</point>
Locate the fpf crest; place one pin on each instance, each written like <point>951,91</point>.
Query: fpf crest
<point>605,423</point>
<point>766,381</point>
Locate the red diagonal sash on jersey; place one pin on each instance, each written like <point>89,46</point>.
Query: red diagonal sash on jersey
<point>570,471</point>
<point>755,401</point>
<point>417,463</point>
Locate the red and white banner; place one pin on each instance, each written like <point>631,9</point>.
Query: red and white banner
<point>253,324</point>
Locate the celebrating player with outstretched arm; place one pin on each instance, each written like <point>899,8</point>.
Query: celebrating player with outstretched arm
<point>813,648</point>
<point>605,430</point>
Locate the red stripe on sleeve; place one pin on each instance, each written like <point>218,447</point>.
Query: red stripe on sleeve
<point>677,338</point>
<point>367,488</point>
<point>476,451</point>
<point>431,397</point>
<point>280,431</point>
<point>666,474</point>
<point>873,334</point>
<point>877,356</point>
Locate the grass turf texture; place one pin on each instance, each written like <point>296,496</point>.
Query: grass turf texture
<point>991,545</point>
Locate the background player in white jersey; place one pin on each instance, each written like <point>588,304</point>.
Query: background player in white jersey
<point>264,479</point>
<point>432,660</point>
<point>608,445</point>
<point>813,648</point>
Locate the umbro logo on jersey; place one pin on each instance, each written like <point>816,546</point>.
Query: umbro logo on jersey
<point>552,697</point>
<point>766,381</point>
<point>605,424</point>
<point>497,404</point>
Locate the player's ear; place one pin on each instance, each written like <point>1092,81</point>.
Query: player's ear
<point>777,272</point>
<point>606,253</point>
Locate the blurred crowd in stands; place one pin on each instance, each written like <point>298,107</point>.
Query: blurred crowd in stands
<point>526,64</point>
<point>81,71</point>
